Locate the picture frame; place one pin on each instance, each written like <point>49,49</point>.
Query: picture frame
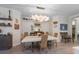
<point>63,27</point>
<point>55,23</point>
<point>16,26</point>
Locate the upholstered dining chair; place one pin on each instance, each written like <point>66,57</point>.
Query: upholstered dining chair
<point>52,43</point>
<point>43,43</point>
<point>24,35</point>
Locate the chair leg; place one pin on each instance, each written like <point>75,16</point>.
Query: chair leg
<point>45,50</point>
<point>23,46</point>
<point>32,47</point>
<point>55,43</point>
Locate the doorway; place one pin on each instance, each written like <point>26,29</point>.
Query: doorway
<point>73,30</point>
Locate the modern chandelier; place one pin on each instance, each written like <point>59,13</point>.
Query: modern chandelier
<point>40,18</point>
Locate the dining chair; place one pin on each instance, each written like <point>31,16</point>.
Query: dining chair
<point>47,33</point>
<point>52,43</point>
<point>24,35</point>
<point>67,38</point>
<point>43,43</point>
<point>26,46</point>
<point>32,34</point>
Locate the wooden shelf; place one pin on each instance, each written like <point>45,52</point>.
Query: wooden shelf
<point>5,25</point>
<point>5,19</point>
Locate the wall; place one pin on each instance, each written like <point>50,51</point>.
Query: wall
<point>26,26</point>
<point>60,20</point>
<point>45,27</point>
<point>14,15</point>
<point>16,33</point>
<point>4,12</point>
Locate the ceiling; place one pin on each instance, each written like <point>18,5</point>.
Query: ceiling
<point>50,9</point>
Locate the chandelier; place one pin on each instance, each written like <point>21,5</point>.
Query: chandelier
<point>39,18</point>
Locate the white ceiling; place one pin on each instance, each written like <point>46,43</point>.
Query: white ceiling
<point>50,9</point>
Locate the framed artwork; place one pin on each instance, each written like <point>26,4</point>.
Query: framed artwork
<point>63,27</point>
<point>16,26</point>
<point>37,24</point>
<point>55,23</point>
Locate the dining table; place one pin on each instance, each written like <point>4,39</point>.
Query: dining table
<point>30,40</point>
<point>37,39</point>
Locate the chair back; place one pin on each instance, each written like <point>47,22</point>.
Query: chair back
<point>44,41</point>
<point>24,35</point>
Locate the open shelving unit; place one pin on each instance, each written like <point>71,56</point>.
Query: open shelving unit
<point>5,38</point>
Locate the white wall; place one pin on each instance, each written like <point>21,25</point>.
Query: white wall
<point>60,20</point>
<point>45,26</point>
<point>4,12</point>
<point>26,26</point>
<point>16,33</point>
<point>70,26</point>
